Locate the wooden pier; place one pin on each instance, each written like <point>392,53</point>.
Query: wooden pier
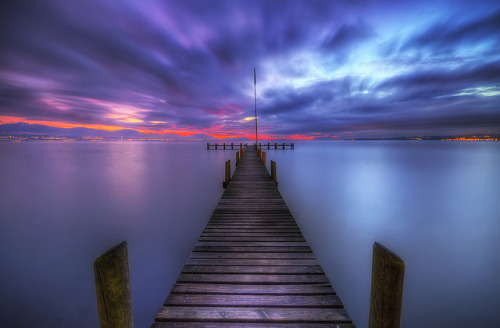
<point>269,146</point>
<point>251,266</point>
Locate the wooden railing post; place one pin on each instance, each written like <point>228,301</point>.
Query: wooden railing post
<point>264,157</point>
<point>228,174</point>
<point>273,172</point>
<point>231,146</point>
<point>259,152</point>
<point>237,157</point>
<point>387,288</point>
<point>241,153</point>
<point>208,146</point>
<point>112,282</point>
<point>216,146</point>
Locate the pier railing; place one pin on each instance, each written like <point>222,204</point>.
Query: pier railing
<point>269,146</point>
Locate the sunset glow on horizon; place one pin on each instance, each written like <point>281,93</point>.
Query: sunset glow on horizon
<point>324,68</point>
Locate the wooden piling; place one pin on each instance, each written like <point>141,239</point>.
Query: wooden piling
<point>387,288</point>
<point>275,145</point>
<point>208,146</point>
<point>215,146</point>
<point>112,280</point>
<point>241,153</point>
<point>273,172</point>
<point>227,175</point>
<point>231,146</point>
<point>224,145</point>
<point>237,157</point>
<point>259,152</point>
<point>264,157</point>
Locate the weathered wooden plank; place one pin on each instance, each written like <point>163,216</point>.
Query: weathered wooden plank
<point>252,234</point>
<point>252,314</point>
<point>317,301</point>
<point>251,262</point>
<point>245,238</point>
<point>228,249</point>
<point>259,256</point>
<point>252,278</point>
<point>251,230</point>
<point>251,244</point>
<point>253,268</point>
<point>291,289</point>
<point>192,324</point>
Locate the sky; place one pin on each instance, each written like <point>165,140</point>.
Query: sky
<point>360,68</point>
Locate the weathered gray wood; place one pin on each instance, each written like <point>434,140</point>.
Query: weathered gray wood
<point>252,314</point>
<point>285,289</point>
<point>227,172</point>
<point>250,267</point>
<point>114,302</point>
<point>192,324</point>
<point>273,172</point>
<point>252,278</point>
<point>387,288</point>
<point>259,256</point>
<point>294,301</point>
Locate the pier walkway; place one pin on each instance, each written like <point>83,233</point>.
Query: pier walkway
<point>251,266</point>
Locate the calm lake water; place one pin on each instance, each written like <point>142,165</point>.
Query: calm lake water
<point>433,203</point>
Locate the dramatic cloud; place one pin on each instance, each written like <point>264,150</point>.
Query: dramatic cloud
<point>324,68</point>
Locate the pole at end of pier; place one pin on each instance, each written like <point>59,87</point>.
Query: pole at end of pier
<point>112,282</point>
<point>387,288</point>
<point>255,87</point>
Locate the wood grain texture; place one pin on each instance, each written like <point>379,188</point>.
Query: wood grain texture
<point>387,288</point>
<point>251,266</point>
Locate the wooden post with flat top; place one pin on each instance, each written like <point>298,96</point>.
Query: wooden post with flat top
<point>228,174</point>
<point>237,157</point>
<point>273,172</point>
<point>387,288</point>
<point>264,157</point>
<point>112,282</point>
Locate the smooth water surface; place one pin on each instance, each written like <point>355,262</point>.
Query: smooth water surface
<point>433,203</point>
<point>63,204</point>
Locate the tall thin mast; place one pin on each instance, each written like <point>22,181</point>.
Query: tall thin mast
<point>255,87</point>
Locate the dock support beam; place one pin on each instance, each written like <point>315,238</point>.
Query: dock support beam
<point>112,282</point>
<point>228,174</point>
<point>273,172</point>
<point>387,288</point>
<point>264,157</point>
